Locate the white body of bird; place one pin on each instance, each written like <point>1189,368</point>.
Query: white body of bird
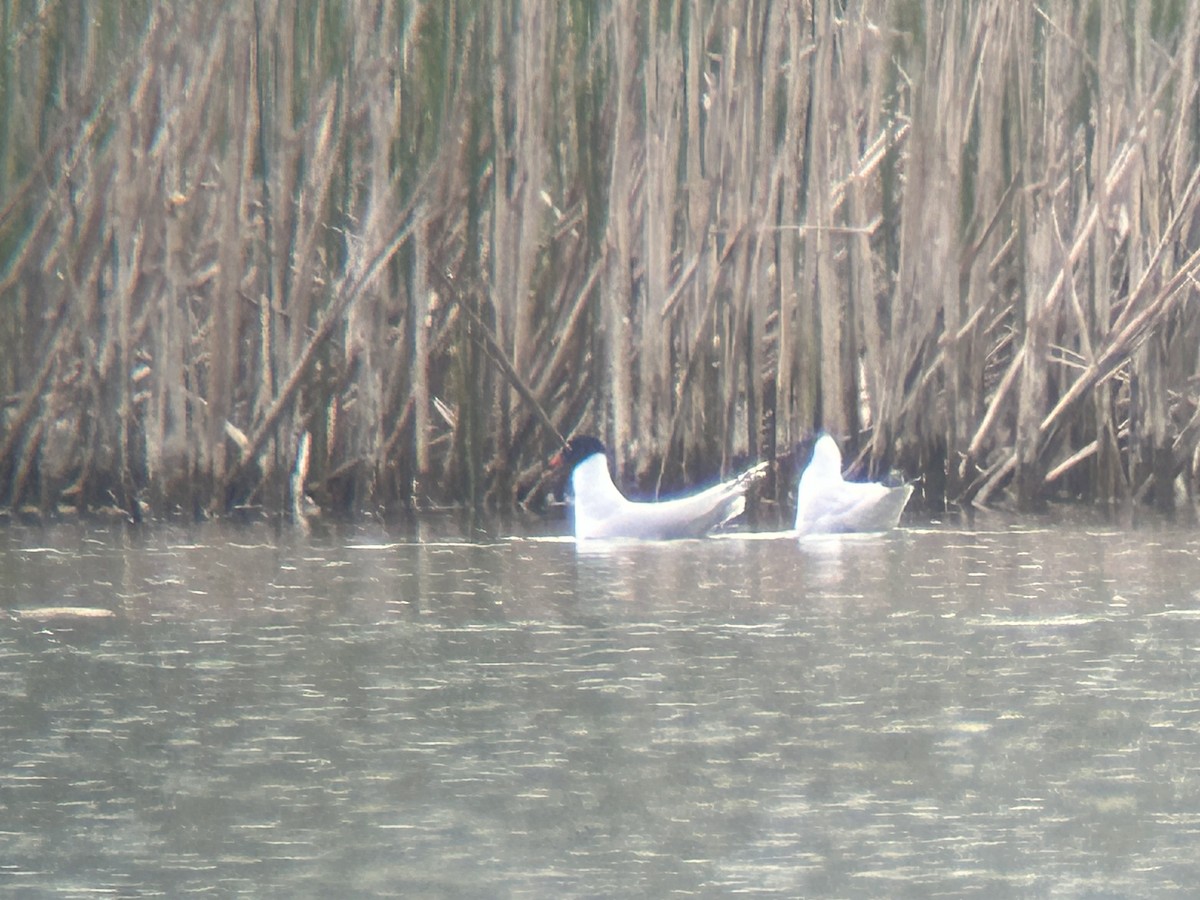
<point>602,511</point>
<point>828,504</point>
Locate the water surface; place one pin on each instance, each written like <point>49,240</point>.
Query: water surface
<point>1006,709</point>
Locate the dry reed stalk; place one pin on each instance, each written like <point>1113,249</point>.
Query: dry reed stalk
<point>732,144</point>
<point>127,238</point>
<point>26,462</point>
<point>236,188</point>
<point>521,95</point>
<point>567,338</point>
<point>353,406</point>
<point>991,46</point>
<point>1113,183</point>
<point>828,311</point>
<point>508,186</point>
<point>663,100</point>
<point>349,289</point>
<point>1044,151</point>
<point>696,358</point>
<point>1083,234</point>
<point>692,228</point>
<point>860,117</point>
<point>788,404</point>
<point>617,291</point>
<point>19,423</point>
<point>1117,346</point>
<point>489,341</point>
<point>421,322</point>
<point>299,477</point>
<point>1111,481</point>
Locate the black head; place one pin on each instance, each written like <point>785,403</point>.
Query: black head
<point>575,451</point>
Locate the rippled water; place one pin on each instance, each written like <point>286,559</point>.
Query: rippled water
<point>1001,710</point>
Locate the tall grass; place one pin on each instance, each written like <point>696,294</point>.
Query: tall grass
<point>384,253</point>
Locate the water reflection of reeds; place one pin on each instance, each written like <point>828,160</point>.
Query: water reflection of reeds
<point>249,251</point>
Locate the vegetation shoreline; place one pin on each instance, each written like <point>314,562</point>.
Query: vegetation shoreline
<point>385,255</point>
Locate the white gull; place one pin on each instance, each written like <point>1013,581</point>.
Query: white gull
<point>602,511</point>
<point>828,504</point>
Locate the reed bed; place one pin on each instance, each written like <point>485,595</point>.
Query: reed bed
<point>384,254</point>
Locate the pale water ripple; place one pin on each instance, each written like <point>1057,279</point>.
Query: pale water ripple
<point>937,712</point>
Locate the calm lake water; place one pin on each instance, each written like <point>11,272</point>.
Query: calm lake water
<point>1001,709</point>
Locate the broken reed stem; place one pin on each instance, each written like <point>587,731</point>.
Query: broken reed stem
<point>504,364</point>
<point>694,358</point>
<point>352,288</point>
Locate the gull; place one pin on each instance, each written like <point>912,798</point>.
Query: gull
<point>827,504</point>
<point>602,511</point>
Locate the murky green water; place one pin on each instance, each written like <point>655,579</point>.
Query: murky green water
<point>1002,710</point>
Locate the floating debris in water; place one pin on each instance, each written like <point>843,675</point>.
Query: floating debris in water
<point>42,613</point>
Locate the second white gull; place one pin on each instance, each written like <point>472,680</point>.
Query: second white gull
<point>828,504</point>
